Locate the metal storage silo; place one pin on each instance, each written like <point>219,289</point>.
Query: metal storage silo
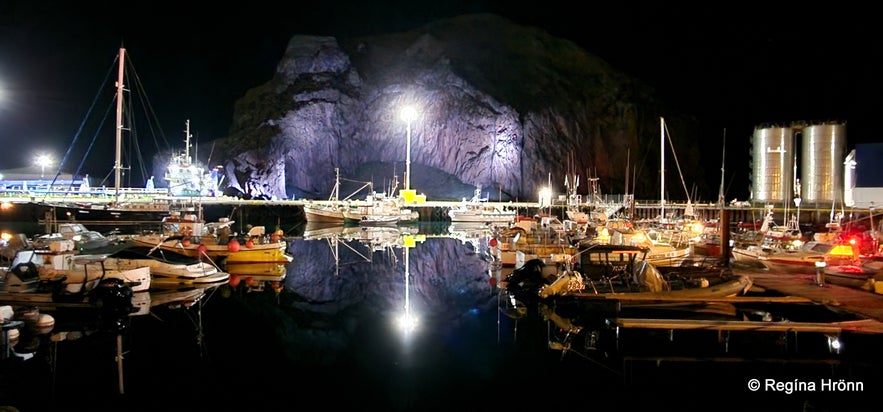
<point>823,151</point>
<point>772,164</point>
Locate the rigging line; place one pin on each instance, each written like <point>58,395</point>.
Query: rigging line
<point>79,130</point>
<point>92,142</point>
<point>152,121</point>
<point>149,112</point>
<point>668,134</point>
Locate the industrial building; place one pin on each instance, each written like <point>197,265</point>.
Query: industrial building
<point>806,164</point>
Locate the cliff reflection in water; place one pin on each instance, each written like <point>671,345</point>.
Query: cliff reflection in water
<point>334,322</point>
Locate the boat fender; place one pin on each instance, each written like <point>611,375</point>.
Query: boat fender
<point>26,271</point>
<point>233,245</point>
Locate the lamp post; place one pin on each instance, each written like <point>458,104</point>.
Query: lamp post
<point>408,115</point>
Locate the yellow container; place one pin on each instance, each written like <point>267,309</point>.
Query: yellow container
<point>408,195</point>
<point>411,196</point>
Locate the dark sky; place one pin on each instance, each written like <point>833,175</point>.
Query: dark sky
<point>735,66</point>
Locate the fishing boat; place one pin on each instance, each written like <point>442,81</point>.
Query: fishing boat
<point>478,210</point>
<point>618,272</point>
<point>772,239</point>
<point>332,210</point>
<point>378,209</point>
<point>188,177</point>
<point>543,237</point>
<point>190,235</point>
<point>665,247</point>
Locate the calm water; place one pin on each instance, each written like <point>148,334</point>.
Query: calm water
<point>329,339</point>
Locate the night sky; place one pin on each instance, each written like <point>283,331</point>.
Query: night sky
<point>734,67</point>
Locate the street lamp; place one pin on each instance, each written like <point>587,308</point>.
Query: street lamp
<point>408,115</point>
<point>43,161</point>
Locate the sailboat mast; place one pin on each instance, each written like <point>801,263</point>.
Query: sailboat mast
<point>117,165</point>
<point>187,141</point>
<point>720,196</point>
<point>662,167</point>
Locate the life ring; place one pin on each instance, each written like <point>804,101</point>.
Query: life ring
<point>26,270</point>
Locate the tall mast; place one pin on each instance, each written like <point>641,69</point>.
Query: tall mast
<point>118,165</point>
<point>662,167</point>
<point>187,141</point>
<point>720,196</point>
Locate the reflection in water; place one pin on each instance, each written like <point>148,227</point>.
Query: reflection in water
<point>332,329</point>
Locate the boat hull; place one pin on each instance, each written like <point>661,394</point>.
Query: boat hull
<point>322,214</point>
<point>230,253</point>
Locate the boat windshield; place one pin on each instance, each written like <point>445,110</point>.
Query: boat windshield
<point>23,256</point>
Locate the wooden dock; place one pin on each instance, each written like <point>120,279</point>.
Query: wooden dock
<point>852,300</point>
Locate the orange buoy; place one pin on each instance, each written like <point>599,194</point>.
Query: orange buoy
<point>249,243</point>
<point>274,238</point>
<point>203,250</point>
<point>185,242</point>
<point>492,281</point>
<point>249,281</point>
<point>234,280</point>
<point>233,245</point>
<point>493,242</point>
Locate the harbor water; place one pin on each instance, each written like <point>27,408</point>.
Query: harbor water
<point>328,334</point>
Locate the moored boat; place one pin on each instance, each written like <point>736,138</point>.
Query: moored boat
<point>864,274</point>
<point>619,272</point>
<point>478,210</point>
<point>83,238</point>
<point>62,265</point>
<point>166,266</point>
<point>190,235</point>
<point>809,256</point>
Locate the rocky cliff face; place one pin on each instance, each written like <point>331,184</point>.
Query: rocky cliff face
<point>499,105</point>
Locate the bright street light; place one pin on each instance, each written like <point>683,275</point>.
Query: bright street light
<point>43,161</point>
<point>408,115</point>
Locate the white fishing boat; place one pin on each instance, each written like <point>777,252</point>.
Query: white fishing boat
<point>379,209</point>
<point>188,177</point>
<point>478,210</point>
